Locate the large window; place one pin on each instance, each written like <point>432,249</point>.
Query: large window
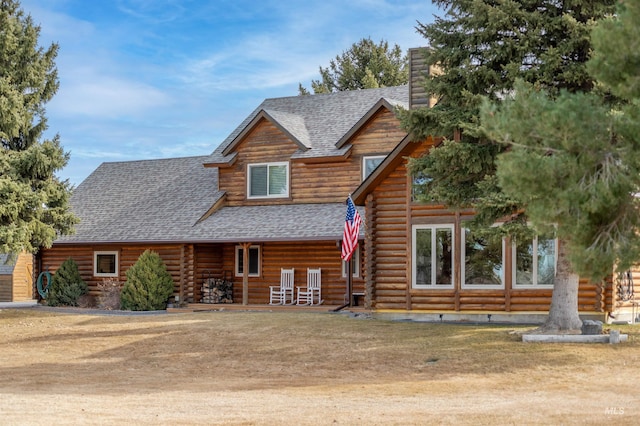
<point>432,256</point>
<point>105,263</point>
<point>534,262</point>
<point>268,180</point>
<point>254,261</point>
<point>483,261</point>
<point>369,164</point>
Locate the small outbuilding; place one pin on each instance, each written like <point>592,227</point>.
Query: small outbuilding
<point>16,277</point>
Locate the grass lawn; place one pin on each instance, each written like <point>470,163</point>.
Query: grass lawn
<point>303,368</point>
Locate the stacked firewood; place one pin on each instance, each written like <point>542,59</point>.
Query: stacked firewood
<point>217,290</point>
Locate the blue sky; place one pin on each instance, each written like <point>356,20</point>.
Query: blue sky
<point>143,79</point>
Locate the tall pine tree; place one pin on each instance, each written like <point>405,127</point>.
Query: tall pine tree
<point>33,201</point>
<point>587,147</point>
<point>480,49</point>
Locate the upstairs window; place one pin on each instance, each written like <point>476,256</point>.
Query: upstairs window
<point>369,164</point>
<point>268,180</point>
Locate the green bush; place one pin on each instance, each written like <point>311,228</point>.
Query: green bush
<point>66,285</point>
<point>148,284</point>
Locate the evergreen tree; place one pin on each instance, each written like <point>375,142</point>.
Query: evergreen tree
<point>480,49</point>
<point>33,201</point>
<point>365,65</point>
<point>148,284</point>
<point>585,147</point>
<point>66,285</point>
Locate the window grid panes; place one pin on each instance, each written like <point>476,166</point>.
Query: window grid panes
<point>433,256</point>
<point>483,261</point>
<point>254,261</point>
<point>268,180</point>
<point>535,262</point>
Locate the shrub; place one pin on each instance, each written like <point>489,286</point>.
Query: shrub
<point>109,294</point>
<point>148,284</point>
<point>66,285</point>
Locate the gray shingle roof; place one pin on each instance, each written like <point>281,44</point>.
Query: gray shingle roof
<point>163,200</point>
<point>6,268</point>
<point>318,121</point>
<point>152,200</point>
<point>289,222</point>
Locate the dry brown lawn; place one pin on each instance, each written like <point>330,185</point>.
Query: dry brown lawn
<point>302,368</point>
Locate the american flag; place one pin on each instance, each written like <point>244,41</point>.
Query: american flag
<point>351,230</point>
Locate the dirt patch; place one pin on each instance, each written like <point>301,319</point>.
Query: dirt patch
<point>300,368</point>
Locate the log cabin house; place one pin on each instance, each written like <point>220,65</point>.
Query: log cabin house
<point>272,195</point>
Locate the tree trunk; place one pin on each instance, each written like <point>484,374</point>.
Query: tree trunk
<point>563,312</point>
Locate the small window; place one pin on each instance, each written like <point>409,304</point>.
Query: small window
<point>355,264</point>
<point>483,261</point>
<point>369,164</point>
<point>254,261</point>
<point>535,262</point>
<point>432,256</point>
<point>105,263</point>
<point>419,182</point>
<point>269,180</point>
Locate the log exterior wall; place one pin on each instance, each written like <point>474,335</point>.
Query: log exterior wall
<point>314,181</point>
<point>391,215</point>
<point>191,265</point>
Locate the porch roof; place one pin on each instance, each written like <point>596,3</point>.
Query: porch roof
<point>290,222</point>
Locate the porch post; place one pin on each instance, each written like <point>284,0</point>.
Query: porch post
<point>245,273</point>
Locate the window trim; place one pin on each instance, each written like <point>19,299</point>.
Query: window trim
<point>115,274</point>
<point>355,273</point>
<point>414,231</point>
<point>463,258</point>
<point>237,260</point>
<point>364,164</point>
<point>514,267</point>
<point>267,165</point>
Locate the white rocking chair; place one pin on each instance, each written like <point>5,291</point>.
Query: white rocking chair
<point>311,294</point>
<point>282,294</point>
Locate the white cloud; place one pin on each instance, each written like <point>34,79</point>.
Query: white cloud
<point>101,96</point>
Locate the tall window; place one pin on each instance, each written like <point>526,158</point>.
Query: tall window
<point>369,164</point>
<point>355,264</point>
<point>483,261</point>
<point>535,262</point>
<point>105,263</point>
<point>432,256</point>
<point>268,180</point>
<point>254,261</point>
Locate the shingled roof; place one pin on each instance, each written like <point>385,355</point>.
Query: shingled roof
<point>150,200</point>
<point>165,200</point>
<point>317,122</point>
